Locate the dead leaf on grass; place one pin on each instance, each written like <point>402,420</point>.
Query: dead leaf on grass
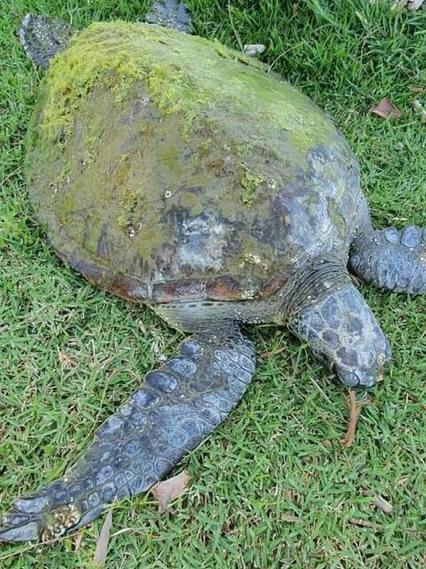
<point>169,490</point>
<point>383,505</point>
<point>103,541</point>
<point>272,353</point>
<point>413,399</point>
<point>414,4</point>
<point>386,109</point>
<point>66,361</point>
<point>289,518</point>
<point>417,90</point>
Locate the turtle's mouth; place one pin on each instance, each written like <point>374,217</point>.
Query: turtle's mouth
<point>366,377</point>
<point>356,379</point>
<point>359,379</point>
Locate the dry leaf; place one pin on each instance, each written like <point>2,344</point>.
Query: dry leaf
<point>383,505</point>
<point>65,361</point>
<point>357,282</point>
<point>414,4</point>
<point>386,110</point>
<point>412,399</point>
<point>289,518</point>
<point>103,541</point>
<point>272,353</point>
<point>417,90</point>
<point>167,491</point>
<point>409,4</point>
<point>253,49</point>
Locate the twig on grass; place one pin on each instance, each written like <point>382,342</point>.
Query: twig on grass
<point>364,524</point>
<point>270,353</point>
<point>355,410</point>
<point>77,541</point>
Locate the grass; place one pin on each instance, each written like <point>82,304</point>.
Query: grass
<point>272,488</point>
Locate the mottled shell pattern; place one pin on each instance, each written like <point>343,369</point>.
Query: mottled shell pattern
<point>167,167</point>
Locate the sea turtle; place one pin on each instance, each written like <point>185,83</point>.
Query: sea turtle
<point>177,173</point>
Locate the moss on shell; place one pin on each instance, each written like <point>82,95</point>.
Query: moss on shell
<point>146,140</point>
<point>250,184</point>
<point>183,74</point>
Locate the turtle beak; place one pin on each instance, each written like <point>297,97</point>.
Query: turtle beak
<point>357,379</point>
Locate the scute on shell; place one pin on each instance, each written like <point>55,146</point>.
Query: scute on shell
<point>164,166</point>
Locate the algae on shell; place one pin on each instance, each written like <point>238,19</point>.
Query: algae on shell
<point>141,131</point>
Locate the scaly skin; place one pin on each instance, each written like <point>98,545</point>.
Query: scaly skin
<point>171,14</point>
<point>174,410</point>
<point>391,259</point>
<point>341,327</point>
<point>43,37</point>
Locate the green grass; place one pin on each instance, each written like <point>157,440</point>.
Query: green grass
<point>70,353</point>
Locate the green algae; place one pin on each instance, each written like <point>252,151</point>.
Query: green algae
<point>182,74</point>
<point>138,128</point>
<point>250,184</point>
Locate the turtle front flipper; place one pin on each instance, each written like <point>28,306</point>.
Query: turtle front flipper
<point>177,406</point>
<point>43,37</point>
<point>392,259</point>
<point>171,14</point>
<point>333,318</point>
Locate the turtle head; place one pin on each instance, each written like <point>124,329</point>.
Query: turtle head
<point>43,37</point>
<point>341,327</point>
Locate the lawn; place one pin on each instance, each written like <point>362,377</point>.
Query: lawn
<point>272,487</point>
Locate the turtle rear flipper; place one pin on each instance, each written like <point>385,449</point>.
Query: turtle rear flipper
<point>43,37</point>
<point>171,14</point>
<point>170,414</point>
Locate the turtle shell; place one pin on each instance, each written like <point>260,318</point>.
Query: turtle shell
<point>165,166</point>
